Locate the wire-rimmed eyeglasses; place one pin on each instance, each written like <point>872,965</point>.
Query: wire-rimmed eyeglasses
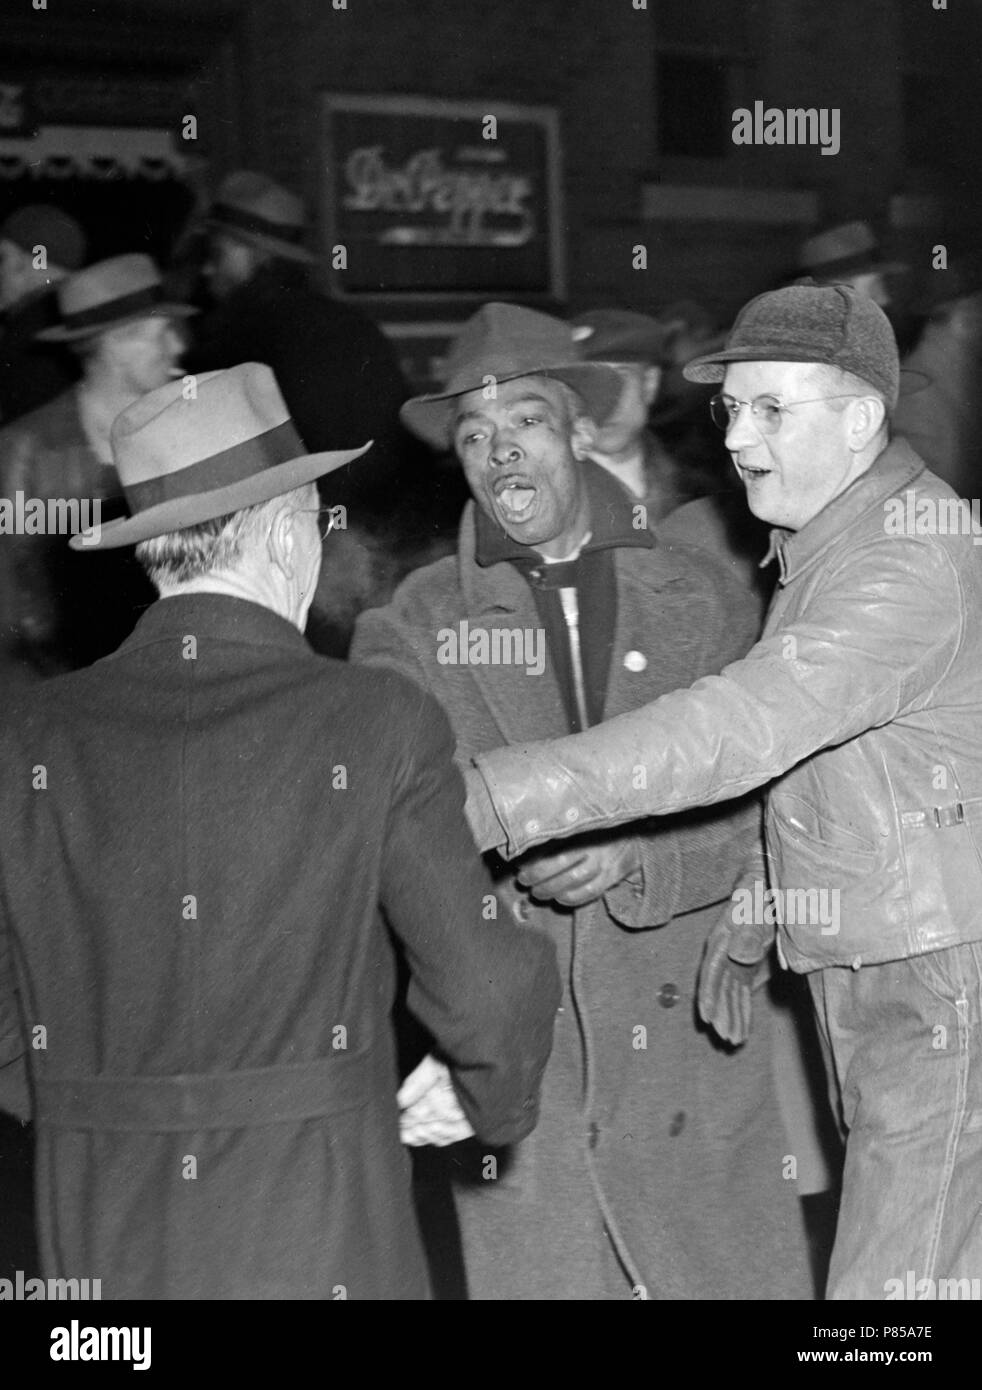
<point>325,519</point>
<point>767,410</point>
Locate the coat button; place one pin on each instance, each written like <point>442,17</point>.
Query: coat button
<point>521,910</point>
<point>593,1134</point>
<point>668,996</point>
<point>572,815</point>
<point>678,1123</point>
<point>635,661</point>
<point>532,827</point>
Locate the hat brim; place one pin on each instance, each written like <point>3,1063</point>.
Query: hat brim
<point>182,512</point>
<point>600,388</point>
<point>712,366</point>
<point>288,250</point>
<point>60,334</point>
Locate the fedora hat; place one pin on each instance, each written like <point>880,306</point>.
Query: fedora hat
<point>43,224</point>
<point>505,341</point>
<point>256,210</point>
<point>850,248</point>
<point>109,293</point>
<point>182,461</point>
<point>621,335</point>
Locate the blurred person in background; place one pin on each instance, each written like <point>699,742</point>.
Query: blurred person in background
<point>637,347</point>
<point>339,375</point>
<point>940,420</point>
<point>39,245</point>
<point>63,611</point>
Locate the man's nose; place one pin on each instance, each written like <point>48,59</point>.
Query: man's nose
<point>504,450</point>
<point>742,433</point>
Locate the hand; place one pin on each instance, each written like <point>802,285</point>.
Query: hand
<point>581,874</point>
<point>726,986</point>
<point>431,1112</point>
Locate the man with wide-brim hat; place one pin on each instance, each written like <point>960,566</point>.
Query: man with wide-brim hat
<point>499,343</point>
<point>559,606</point>
<point>860,709</point>
<point>126,333</point>
<point>849,253</point>
<point>338,372</point>
<point>232,826</point>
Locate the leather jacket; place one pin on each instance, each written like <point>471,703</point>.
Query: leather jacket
<point>861,706</point>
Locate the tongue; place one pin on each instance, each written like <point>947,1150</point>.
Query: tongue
<point>516,499</point>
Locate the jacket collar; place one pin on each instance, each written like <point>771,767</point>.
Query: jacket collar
<point>219,616</point>
<point>893,469</point>
<point>498,586</point>
<point>611,524</point>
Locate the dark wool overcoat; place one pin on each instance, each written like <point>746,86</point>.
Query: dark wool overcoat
<point>197,835</point>
<point>650,1130</point>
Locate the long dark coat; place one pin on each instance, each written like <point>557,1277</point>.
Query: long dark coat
<point>197,834</point>
<point>649,1128</point>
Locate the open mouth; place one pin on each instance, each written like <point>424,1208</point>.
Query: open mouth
<point>750,474</point>
<point>515,498</point>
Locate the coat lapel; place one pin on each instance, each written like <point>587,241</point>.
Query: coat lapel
<point>525,706</point>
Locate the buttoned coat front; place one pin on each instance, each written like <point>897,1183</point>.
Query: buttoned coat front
<point>648,1127</point>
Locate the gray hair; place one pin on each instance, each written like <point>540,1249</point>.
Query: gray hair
<point>218,544</point>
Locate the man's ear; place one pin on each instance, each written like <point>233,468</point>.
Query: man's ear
<point>868,417</point>
<point>582,436</point>
<point>281,542</point>
<point>650,383</point>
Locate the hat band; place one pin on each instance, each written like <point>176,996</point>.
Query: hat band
<point>278,445</point>
<point>113,309</point>
<point>252,222</point>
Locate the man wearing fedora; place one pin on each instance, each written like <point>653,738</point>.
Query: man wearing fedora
<point>636,347</point>
<point>62,613</point>
<point>861,706</point>
<point>227,828</point>
<point>848,253</point>
<point>39,245</point>
<point>337,371</point>
<point>655,1170</point>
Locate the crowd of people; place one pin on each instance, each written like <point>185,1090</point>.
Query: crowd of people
<point>504,881</point>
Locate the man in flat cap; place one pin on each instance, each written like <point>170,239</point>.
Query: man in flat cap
<point>63,611</point>
<point>656,1169</point>
<point>861,706</point>
<point>227,828</point>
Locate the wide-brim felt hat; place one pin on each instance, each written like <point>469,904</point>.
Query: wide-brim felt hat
<point>108,294</point>
<point>184,457</point>
<point>622,335</point>
<point>502,342</point>
<point>260,212</point>
<point>850,248</point>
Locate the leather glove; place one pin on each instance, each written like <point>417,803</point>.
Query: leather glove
<point>735,962</point>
